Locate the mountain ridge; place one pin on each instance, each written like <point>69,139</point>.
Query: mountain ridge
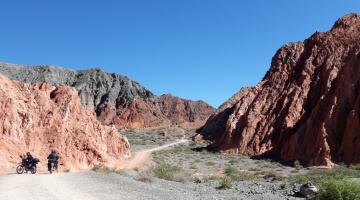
<point>116,99</point>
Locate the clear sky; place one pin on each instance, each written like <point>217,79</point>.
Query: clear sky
<point>195,49</point>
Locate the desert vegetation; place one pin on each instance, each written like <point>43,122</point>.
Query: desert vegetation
<point>101,168</point>
<point>190,162</point>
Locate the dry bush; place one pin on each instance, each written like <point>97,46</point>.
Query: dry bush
<point>181,176</point>
<point>146,176</point>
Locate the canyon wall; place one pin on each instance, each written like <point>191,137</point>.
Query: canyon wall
<point>39,118</point>
<point>307,106</point>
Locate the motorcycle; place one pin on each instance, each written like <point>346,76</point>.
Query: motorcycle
<point>23,166</point>
<point>53,165</point>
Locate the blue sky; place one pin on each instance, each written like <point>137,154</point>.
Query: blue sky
<point>195,49</point>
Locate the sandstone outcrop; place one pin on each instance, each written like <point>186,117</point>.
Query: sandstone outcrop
<point>181,111</point>
<point>38,118</point>
<point>306,108</point>
<point>116,99</point>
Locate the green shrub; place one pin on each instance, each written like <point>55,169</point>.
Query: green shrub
<point>169,172</point>
<point>119,171</point>
<point>193,166</point>
<point>355,166</point>
<point>338,189</point>
<point>271,174</point>
<point>244,176</point>
<point>226,183</point>
<point>213,177</point>
<point>230,170</point>
<point>297,162</point>
<point>284,184</point>
<point>233,161</point>
<point>254,169</point>
<point>101,168</point>
<point>270,165</point>
<point>238,175</point>
<point>297,165</point>
<point>210,163</point>
<point>193,143</point>
<point>316,175</point>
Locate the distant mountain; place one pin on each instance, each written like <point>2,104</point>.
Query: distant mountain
<point>306,108</point>
<point>115,98</point>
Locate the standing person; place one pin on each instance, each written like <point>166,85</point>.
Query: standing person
<point>53,156</point>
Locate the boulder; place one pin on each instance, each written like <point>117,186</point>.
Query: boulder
<point>308,189</point>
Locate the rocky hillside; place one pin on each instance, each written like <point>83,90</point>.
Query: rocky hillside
<point>38,118</point>
<point>116,99</point>
<point>306,108</point>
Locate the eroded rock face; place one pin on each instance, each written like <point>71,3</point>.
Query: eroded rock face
<point>182,111</point>
<point>116,99</point>
<point>42,117</point>
<point>307,106</point>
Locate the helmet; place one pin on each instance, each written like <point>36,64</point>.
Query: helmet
<point>53,151</point>
<point>28,153</point>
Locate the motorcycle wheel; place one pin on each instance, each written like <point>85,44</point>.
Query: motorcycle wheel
<point>33,170</point>
<point>20,169</point>
<point>52,168</point>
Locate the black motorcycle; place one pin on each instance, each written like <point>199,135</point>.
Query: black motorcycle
<point>53,165</point>
<point>25,167</point>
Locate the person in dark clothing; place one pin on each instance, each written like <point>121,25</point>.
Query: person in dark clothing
<point>53,156</point>
<point>29,159</point>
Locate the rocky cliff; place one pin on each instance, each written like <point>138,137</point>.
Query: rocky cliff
<point>116,99</point>
<point>182,111</point>
<point>38,118</point>
<point>306,108</point>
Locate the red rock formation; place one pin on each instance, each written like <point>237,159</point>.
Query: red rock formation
<point>41,117</point>
<point>140,114</point>
<point>306,108</point>
<point>182,111</point>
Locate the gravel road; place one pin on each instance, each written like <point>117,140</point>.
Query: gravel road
<point>91,185</point>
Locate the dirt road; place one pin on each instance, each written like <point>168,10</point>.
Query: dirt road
<point>140,158</point>
<point>87,185</point>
